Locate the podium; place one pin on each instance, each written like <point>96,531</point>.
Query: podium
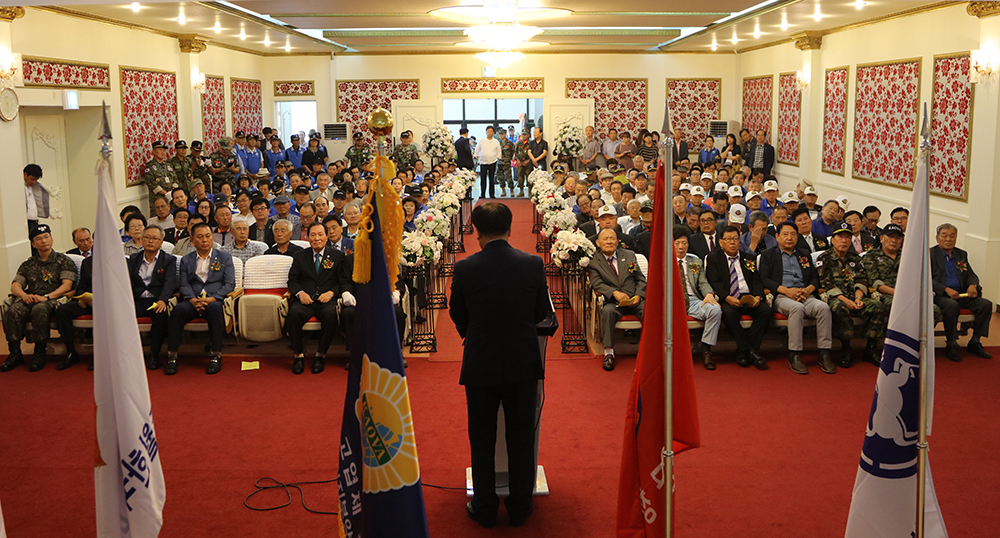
<point>546,329</point>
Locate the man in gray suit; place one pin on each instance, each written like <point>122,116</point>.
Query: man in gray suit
<point>701,302</point>
<point>615,274</point>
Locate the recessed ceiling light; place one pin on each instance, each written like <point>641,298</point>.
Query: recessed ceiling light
<point>756,31</point>
<point>818,14</point>
<point>288,46</point>
<point>181,19</point>
<point>784,22</point>
<point>267,41</point>
<point>217,28</point>
<point>135,7</point>
<point>735,38</point>
<point>715,45</point>
<point>243,34</point>
<point>860,4</point>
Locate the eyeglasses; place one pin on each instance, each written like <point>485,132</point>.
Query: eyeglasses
<point>152,238</point>
<point>727,239</point>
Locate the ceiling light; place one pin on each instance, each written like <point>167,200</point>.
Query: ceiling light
<point>267,41</point>
<point>818,14</point>
<point>502,35</point>
<point>756,31</point>
<point>735,38</point>
<point>180,19</point>
<point>505,11</point>
<point>498,58</point>
<point>860,4</point>
<point>136,7</point>
<point>288,46</point>
<point>243,34</point>
<point>784,22</point>
<point>715,45</point>
<point>217,28</point>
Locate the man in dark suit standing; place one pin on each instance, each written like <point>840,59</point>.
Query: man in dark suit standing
<point>956,286</point>
<point>154,278</point>
<point>615,274</point>
<point>207,277</point>
<point>680,146</point>
<point>463,150</point>
<point>760,156</point>
<point>733,275</point>
<point>498,296</point>
<point>317,278</point>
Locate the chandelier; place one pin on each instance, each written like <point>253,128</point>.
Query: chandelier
<point>499,58</point>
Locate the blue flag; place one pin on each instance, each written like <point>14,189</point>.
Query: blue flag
<point>379,476</point>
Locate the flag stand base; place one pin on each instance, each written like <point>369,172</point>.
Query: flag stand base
<point>541,483</point>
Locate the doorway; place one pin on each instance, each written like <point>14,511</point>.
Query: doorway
<point>294,117</point>
<point>478,114</point>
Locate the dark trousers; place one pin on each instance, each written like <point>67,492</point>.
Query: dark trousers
<point>981,308</point>
<point>299,314</point>
<point>400,319</point>
<point>486,174</point>
<point>158,327</point>
<point>65,315</point>
<point>519,418</point>
<point>185,312</point>
<point>746,339</point>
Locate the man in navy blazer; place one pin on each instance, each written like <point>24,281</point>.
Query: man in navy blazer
<point>319,275</point>
<point>207,277</point>
<point>956,286</point>
<point>154,278</point>
<point>463,150</point>
<point>498,296</point>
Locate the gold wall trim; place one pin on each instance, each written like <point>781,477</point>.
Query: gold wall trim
<point>891,17</point>
<point>336,88</point>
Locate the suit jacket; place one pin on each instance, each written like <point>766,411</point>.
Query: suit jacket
<point>769,242</point>
<point>749,153</point>
<point>717,273</point>
<point>748,150</point>
<point>164,280</point>
<point>696,277</point>
<point>85,284</point>
<point>678,155</point>
<point>965,278</point>
<point>498,296</point>
<point>819,241</point>
<point>463,153</point>
<point>867,243</point>
<point>604,281</point>
<point>268,232</point>
<point>78,253</point>
<point>221,280</point>
<point>643,243</point>
<point>698,244</point>
<point>336,277</point>
<point>771,270</point>
<point>292,249</point>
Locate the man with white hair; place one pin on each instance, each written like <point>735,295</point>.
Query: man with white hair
<point>956,286</point>
<point>282,230</point>
<point>632,219</point>
<point>241,247</point>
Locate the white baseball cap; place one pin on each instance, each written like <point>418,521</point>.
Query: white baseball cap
<point>606,210</point>
<point>736,191</point>
<point>770,185</point>
<point>697,191</point>
<point>790,196</point>
<point>737,213</point>
<point>752,194</point>
<point>809,190</point>
<point>685,187</point>
<point>707,175</point>
<point>845,204</point>
<point>720,187</point>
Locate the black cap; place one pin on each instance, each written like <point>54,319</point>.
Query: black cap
<point>197,145</point>
<point>302,189</point>
<point>274,137</point>
<point>294,138</point>
<point>277,184</point>
<point>39,230</point>
<point>180,144</point>
<point>413,190</point>
<point>358,136</point>
<point>315,135</point>
<point>159,145</point>
<point>253,137</point>
<point>339,194</point>
<point>239,134</point>
<point>628,188</point>
<point>893,229</point>
<point>281,199</point>
<point>843,228</point>
<point>558,168</point>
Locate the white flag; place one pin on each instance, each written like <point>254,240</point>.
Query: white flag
<point>3,532</point>
<point>128,477</point>
<point>884,503</point>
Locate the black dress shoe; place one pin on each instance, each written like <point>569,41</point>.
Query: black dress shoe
<point>318,365</point>
<point>978,350</point>
<point>707,360</point>
<point>482,519</point>
<point>757,360</point>
<point>518,520</point>
<point>14,360</point>
<point>153,363</point>
<point>826,363</point>
<point>71,359</point>
<point>743,359</point>
<point>871,354</point>
<point>214,365</point>
<point>847,358</point>
<point>298,365</point>
<point>171,367</point>
<point>90,367</point>
<point>796,364</point>
<point>951,351</point>
<point>609,362</point>
<point>37,362</point>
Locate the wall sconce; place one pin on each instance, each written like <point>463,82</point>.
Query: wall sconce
<point>200,86</point>
<point>9,68</point>
<point>801,79</point>
<point>981,66</point>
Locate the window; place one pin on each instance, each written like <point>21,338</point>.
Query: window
<point>478,114</point>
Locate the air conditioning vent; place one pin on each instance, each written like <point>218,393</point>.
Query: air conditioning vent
<point>336,131</point>
<point>721,128</point>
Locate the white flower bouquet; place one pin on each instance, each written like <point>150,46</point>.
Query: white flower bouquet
<point>554,222</point>
<point>438,142</point>
<point>569,141</point>
<point>539,176</point>
<point>467,178</point>
<point>572,247</point>
<point>418,247</point>
<point>550,203</point>
<point>434,223</point>
<point>541,190</point>
<point>445,202</point>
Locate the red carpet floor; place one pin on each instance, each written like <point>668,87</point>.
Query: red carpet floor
<point>779,457</point>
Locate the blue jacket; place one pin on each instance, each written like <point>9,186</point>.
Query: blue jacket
<point>221,280</point>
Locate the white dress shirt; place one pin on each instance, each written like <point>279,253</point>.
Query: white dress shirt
<point>684,276</point>
<point>164,224</point>
<point>744,288</point>
<point>29,200</point>
<point>488,151</point>
<point>201,267</point>
<point>146,273</point>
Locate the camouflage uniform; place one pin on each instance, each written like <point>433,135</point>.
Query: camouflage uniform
<point>521,154</point>
<point>842,276</point>
<point>159,175</point>
<point>198,171</point>
<point>182,169</point>
<point>882,270</point>
<point>405,155</point>
<point>218,159</point>
<point>36,277</point>
<point>503,166</point>
<point>359,156</point>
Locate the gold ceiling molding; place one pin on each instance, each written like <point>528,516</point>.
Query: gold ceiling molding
<point>243,15</point>
<point>8,14</point>
<point>192,43</point>
<point>808,40</point>
<point>525,52</point>
<point>983,9</point>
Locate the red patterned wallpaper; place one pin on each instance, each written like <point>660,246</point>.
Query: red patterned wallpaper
<point>452,85</point>
<point>789,116</point>
<point>51,73</point>
<point>294,87</point>
<point>885,122</point>
<point>357,98</point>
<point>693,102</point>
<point>213,113</point>
<point>618,103</point>
<point>248,115</point>
<point>149,113</point>
<point>951,118</point>
<point>835,120</point>
<point>757,104</point>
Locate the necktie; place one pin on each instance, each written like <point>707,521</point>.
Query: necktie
<point>611,262</point>
<point>687,285</point>
<point>711,243</point>
<point>857,244</point>
<point>734,280</point>
<point>318,259</point>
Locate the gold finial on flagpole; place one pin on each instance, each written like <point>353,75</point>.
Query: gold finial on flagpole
<point>390,210</point>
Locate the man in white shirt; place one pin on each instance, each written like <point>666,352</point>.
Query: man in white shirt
<point>610,145</point>
<point>162,218</point>
<point>591,150</point>
<point>633,219</point>
<point>487,153</point>
<point>36,196</point>
<point>241,247</point>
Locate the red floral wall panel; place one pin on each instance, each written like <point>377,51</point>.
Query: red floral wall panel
<point>453,85</point>
<point>834,119</point>
<point>951,118</point>
<point>789,118</point>
<point>149,113</point>
<point>213,113</point>
<point>885,122</point>
<point>693,102</point>
<point>757,104</point>
<point>358,98</point>
<point>248,115</point>
<point>51,73</point>
<point>294,87</point>
<point>618,103</point>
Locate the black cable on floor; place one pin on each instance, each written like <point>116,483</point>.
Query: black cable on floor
<point>287,488</point>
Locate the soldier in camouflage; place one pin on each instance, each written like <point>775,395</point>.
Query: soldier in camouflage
<point>503,165</point>
<point>844,280</point>
<point>198,166</point>
<point>406,153</point>
<point>524,166</point>
<point>359,154</point>
<point>41,284</point>
<point>181,164</point>
<point>882,266</point>
<point>223,164</point>
<point>159,174</point>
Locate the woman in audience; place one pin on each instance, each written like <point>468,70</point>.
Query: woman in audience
<point>244,182</point>
<point>583,205</point>
<point>708,153</point>
<point>410,205</point>
<point>731,154</point>
<point>135,224</point>
<point>648,151</point>
<point>361,188</point>
<point>179,231</point>
<point>397,185</point>
<point>207,211</point>
<point>225,196</point>
<point>313,154</point>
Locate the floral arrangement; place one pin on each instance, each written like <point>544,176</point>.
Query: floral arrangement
<point>541,190</point>
<point>434,223</point>
<point>327,264</point>
<point>467,178</point>
<point>554,222</point>
<point>550,203</point>
<point>438,142</point>
<point>539,174</point>
<point>572,247</point>
<point>445,202</point>
<point>569,141</point>
<point>418,247</point>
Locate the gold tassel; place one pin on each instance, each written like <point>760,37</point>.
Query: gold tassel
<point>390,211</point>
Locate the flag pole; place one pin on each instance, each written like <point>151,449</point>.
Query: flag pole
<point>926,350</point>
<point>667,458</point>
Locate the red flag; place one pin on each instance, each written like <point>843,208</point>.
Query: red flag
<point>640,487</point>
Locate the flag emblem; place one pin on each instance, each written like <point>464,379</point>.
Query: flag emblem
<point>890,448</point>
<point>390,449</point>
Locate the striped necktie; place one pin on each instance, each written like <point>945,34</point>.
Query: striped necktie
<point>734,280</point>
